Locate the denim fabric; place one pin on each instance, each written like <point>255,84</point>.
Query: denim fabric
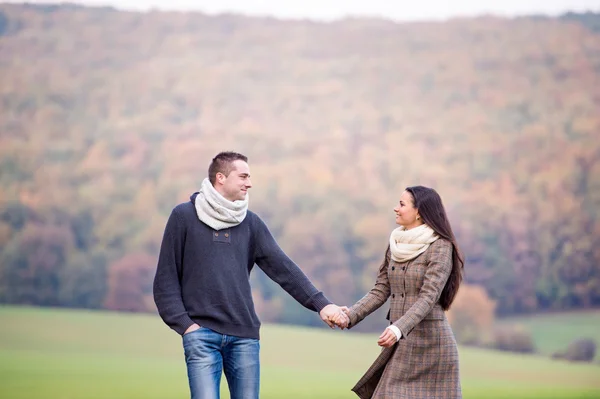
<point>209,353</point>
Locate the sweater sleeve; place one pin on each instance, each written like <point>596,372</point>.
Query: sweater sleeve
<point>167,288</point>
<point>281,269</point>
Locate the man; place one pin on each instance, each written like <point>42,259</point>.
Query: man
<point>202,288</point>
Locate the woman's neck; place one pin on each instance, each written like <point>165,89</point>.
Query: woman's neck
<point>412,226</point>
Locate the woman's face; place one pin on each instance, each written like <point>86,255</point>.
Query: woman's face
<point>406,213</point>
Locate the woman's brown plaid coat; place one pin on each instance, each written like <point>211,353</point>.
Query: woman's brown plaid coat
<point>424,363</point>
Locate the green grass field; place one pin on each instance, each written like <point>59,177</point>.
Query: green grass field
<point>65,354</point>
<point>554,332</point>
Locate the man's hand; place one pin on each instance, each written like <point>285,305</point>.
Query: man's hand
<point>342,319</point>
<point>333,315</point>
<point>191,328</point>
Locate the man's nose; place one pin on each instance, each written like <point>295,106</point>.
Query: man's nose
<point>249,183</point>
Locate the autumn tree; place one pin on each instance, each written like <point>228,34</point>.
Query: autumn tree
<point>130,283</point>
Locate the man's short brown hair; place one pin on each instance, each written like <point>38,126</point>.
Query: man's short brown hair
<point>223,163</point>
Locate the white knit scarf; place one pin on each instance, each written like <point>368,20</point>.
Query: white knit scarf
<point>408,244</point>
<point>217,211</point>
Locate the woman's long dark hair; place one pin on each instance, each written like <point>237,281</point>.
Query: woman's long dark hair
<point>431,210</point>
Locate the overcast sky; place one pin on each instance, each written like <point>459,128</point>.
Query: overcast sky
<point>333,9</point>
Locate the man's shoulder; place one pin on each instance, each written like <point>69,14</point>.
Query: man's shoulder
<point>183,210</point>
<point>256,224</point>
<point>254,219</point>
<point>183,206</point>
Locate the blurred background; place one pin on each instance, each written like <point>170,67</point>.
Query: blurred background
<point>110,113</point>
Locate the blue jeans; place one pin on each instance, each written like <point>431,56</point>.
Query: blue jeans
<point>209,353</point>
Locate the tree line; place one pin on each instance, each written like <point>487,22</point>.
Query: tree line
<point>110,118</point>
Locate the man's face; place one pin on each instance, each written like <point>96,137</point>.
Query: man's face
<point>235,186</point>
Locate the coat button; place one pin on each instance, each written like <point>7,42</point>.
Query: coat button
<point>393,267</point>
<point>403,267</point>
<point>402,295</point>
<point>226,234</point>
<point>216,234</point>
<point>393,295</point>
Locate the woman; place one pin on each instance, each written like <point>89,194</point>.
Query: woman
<point>422,271</point>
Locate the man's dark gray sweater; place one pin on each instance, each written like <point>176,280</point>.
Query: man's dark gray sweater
<point>203,275</point>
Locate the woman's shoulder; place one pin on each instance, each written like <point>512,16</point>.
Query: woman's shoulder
<point>440,247</point>
<point>441,243</point>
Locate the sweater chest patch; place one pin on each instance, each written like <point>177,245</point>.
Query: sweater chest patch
<point>223,236</point>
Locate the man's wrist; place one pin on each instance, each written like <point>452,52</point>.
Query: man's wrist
<point>320,302</point>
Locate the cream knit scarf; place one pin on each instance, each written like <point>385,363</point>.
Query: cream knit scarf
<point>217,211</point>
<point>408,244</point>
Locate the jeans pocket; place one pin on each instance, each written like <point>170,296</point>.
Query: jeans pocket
<point>201,338</point>
<point>191,332</point>
<point>194,336</point>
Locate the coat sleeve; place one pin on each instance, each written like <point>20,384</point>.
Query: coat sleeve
<point>438,270</point>
<point>375,297</point>
<point>167,286</point>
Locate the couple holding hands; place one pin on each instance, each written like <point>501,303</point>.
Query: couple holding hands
<point>202,291</point>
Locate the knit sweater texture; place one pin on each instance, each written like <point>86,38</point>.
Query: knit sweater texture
<point>203,275</point>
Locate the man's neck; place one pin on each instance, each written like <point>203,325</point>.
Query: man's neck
<point>219,189</point>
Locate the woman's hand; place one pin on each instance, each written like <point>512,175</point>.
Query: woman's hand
<point>334,316</point>
<point>341,319</point>
<point>387,338</point>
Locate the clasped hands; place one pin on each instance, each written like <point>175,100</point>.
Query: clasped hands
<point>339,316</point>
<point>335,316</point>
